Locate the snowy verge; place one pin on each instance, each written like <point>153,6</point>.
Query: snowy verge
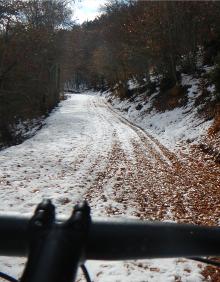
<point>172,128</point>
<point>28,128</point>
<point>22,130</point>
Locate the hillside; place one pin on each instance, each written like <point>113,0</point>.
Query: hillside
<point>183,119</point>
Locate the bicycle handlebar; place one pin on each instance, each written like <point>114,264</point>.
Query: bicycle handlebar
<point>122,240</point>
<point>55,248</point>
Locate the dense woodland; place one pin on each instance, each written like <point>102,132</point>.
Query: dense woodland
<point>31,54</point>
<point>41,50</point>
<point>133,39</point>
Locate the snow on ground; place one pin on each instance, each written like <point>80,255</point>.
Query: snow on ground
<point>132,84</point>
<point>158,270</point>
<point>171,127</point>
<point>22,130</point>
<point>86,150</point>
<point>28,128</point>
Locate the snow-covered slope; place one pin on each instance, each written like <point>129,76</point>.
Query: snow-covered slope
<point>172,128</point>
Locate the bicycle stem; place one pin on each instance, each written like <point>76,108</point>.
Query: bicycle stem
<point>56,251</point>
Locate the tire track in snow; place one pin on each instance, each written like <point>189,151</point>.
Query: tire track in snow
<point>157,149</point>
<point>156,196</point>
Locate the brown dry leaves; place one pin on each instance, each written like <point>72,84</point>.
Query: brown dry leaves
<point>162,186</point>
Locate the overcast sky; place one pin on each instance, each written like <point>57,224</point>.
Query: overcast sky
<point>87,9</point>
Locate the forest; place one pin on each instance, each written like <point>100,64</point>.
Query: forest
<point>31,54</point>
<point>42,50</point>
<point>137,38</point>
<point>141,40</point>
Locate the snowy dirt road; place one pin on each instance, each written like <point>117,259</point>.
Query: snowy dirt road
<point>87,150</point>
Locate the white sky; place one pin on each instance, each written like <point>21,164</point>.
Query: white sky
<point>87,9</point>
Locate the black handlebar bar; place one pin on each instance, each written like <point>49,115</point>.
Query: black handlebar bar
<point>55,248</point>
<point>122,240</point>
